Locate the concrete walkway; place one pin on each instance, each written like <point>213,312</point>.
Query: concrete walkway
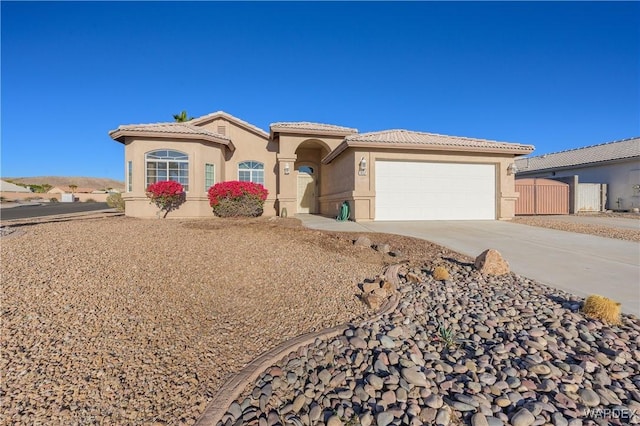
<point>578,263</point>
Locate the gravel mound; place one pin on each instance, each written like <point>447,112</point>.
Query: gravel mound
<point>470,350</point>
<point>127,321</point>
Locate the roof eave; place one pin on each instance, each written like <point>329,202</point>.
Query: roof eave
<point>120,135</point>
<point>520,150</point>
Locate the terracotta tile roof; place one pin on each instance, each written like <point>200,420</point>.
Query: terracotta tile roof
<point>616,150</point>
<point>400,136</point>
<point>186,128</point>
<point>311,127</point>
<point>229,117</point>
<point>407,139</point>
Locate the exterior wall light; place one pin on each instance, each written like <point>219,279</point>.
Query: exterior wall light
<point>287,170</point>
<point>362,167</point>
<point>512,169</point>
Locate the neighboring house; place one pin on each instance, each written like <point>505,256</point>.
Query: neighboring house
<point>12,187</point>
<point>314,168</point>
<point>616,164</point>
<point>68,190</point>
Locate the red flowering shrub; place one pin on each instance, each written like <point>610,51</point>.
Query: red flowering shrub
<point>235,198</point>
<point>167,195</point>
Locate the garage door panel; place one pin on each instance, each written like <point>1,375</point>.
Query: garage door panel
<point>434,191</point>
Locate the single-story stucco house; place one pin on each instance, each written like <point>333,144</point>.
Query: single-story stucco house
<point>616,164</point>
<point>313,168</point>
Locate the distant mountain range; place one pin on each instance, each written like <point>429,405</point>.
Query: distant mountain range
<point>65,181</point>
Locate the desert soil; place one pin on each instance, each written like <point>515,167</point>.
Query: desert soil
<point>129,321</point>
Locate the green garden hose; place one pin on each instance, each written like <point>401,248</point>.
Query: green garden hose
<point>344,212</point>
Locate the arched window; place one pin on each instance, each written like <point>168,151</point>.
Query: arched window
<point>165,164</point>
<point>251,171</point>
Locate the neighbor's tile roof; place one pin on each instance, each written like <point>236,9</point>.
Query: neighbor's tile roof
<point>314,127</point>
<point>400,136</point>
<point>626,148</point>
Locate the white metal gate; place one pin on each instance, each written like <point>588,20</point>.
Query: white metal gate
<point>591,197</point>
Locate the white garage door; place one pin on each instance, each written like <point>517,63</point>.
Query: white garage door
<point>434,191</point>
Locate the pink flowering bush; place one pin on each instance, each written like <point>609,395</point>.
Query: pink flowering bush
<point>235,198</point>
<point>167,195</point>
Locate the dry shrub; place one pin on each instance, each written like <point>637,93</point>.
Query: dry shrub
<point>602,308</point>
<point>115,201</point>
<point>440,273</point>
<point>240,207</point>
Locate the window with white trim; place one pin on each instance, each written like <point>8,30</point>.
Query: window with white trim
<point>209,176</point>
<point>129,176</point>
<point>166,164</point>
<point>251,171</point>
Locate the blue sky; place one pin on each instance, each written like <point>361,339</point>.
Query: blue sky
<point>555,75</point>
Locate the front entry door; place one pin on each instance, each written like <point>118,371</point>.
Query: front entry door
<point>306,190</point>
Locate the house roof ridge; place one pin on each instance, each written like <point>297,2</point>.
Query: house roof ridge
<point>231,117</point>
<point>311,125</point>
<point>148,124</point>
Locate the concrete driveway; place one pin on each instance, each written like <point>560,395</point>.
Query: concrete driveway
<point>578,263</point>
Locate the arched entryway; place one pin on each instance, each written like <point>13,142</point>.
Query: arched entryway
<point>309,156</point>
<point>307,188</point>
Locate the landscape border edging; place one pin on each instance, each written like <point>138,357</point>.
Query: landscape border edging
<point>233,388</point>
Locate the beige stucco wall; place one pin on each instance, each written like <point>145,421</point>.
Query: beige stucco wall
<point>136,202</point>
<point>362,198</point>
<point>249,146</point>
<point>338,183</point>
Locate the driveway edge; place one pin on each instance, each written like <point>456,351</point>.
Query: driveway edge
<point>233,388</point>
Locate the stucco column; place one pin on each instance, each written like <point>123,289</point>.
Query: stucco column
<point>507,190</point>
<point>287,189</point>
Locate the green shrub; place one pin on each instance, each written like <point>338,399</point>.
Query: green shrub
<point>53,200</point>
<point>115,201</point>
<point>90,200</point>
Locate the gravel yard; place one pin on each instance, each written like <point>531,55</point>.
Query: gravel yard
<point>128,321</point>
<point>599,225</point>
